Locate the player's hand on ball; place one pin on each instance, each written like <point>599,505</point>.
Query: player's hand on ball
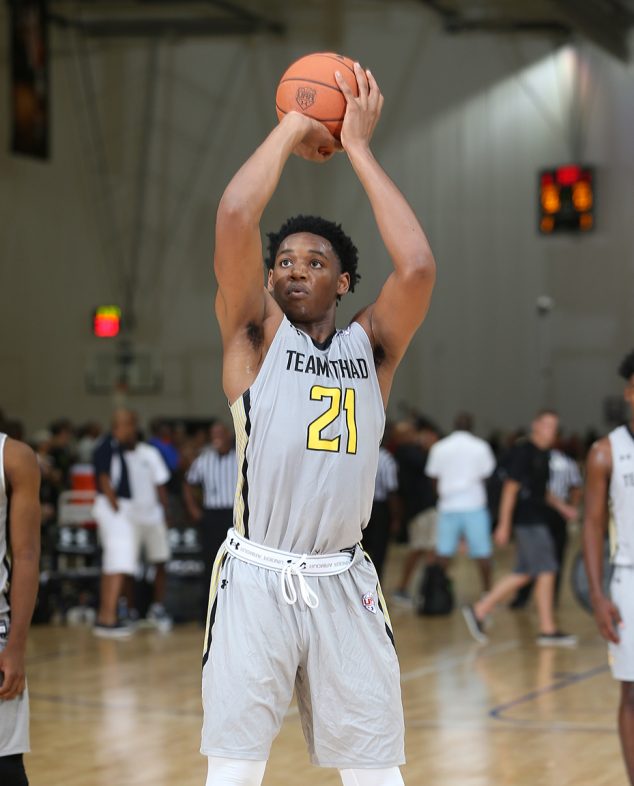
<point>317,144</point>
<point>362,112</point>
<point>608,619</point>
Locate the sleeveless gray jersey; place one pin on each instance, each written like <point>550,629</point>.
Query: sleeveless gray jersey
<point>4,557</point>
<point>622,493</point>
<point>308,433</point>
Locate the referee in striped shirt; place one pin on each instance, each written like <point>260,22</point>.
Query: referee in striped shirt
<point>216,472</point>
<point>385,511</point>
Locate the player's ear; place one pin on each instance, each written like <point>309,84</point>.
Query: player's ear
<point>269,280</point>
<point>343,283</point>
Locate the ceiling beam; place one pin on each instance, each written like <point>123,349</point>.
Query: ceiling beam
<point>604,22</point>
<point>607,27</point>
<point>164,26</point>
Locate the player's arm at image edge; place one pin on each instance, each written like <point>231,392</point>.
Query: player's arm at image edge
<point>23,478</point>
<point>598,472</point>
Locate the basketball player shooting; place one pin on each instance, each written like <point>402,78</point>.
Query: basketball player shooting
<point>294,601</point>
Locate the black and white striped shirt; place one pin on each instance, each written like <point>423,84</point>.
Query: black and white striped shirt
<point>386,476</point>
<point>218,476</point>
<point>564,475</point>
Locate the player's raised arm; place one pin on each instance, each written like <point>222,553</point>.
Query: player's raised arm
<point>404,299</point>
<point>599,468</point>
<point>241,296</point>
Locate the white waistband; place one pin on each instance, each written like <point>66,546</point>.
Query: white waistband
<point>288,564</point>
<point>273,559</point>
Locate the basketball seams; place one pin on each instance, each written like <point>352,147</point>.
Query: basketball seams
<point>319,119</point>
<point>341,62</point>
<point>312,82</point>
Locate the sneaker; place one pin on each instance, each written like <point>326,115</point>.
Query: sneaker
<point>130,618</point>
<point>118,630</point>
<point>402,598</point>
<point>476,627</point>
<point>557,639</point>
<point>158,618</point>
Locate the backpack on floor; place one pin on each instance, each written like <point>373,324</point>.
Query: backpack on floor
<point>436,593</point>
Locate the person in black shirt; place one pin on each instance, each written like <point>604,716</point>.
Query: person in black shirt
<point>418,495</point>
<point>525,508</point>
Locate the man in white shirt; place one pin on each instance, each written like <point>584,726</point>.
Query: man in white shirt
<point>130,514</point>
<point>460,463</point>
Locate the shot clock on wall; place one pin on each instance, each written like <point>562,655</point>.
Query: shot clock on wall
<point>566,199</point>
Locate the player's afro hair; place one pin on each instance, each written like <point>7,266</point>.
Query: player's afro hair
<point>343,247</point>
<point>626,369</point>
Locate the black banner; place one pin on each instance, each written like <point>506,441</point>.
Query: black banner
<point>29,78</point>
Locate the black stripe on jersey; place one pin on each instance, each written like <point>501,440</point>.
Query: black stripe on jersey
<point>378,600</point>
<point>387,627</point>
<point>6,562</point>
<point>212,611</point>
<point>212,617</point>
<point>245,464</point>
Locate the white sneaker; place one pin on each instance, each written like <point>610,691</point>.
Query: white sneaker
<point>158,618</point>
<point>116,631</point>
<point>557,639</point>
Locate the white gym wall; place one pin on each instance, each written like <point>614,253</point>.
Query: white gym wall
<point>468,121</point>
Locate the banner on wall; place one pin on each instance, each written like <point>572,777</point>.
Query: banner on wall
<point>28,33</point>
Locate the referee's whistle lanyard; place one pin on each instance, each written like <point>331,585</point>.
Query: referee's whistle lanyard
<point>289,593</point>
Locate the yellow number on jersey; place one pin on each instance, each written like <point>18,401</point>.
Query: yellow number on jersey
<point>315,441</point>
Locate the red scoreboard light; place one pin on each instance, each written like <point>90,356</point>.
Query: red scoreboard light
<point>566,199</point>
<point>106,321</point>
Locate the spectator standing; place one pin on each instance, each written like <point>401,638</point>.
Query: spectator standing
<point>384,518</point>
<point>524,507</point>
<point>215,471</point>
<point>162,440</point>
<point>460,464</point>
<point>565,485</point>
<point>418,496</point>
<point>87,439</point>
<point>61,449</point>
<point>130,513</point>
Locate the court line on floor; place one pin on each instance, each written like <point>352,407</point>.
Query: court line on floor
<point>475,652</point>
<point>498,713</point>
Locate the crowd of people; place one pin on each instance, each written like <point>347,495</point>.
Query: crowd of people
<point>435,493</point>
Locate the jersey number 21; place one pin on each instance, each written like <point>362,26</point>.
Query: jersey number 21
<point>315,440</point>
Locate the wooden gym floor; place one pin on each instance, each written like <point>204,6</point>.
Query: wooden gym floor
<point>108,713</point>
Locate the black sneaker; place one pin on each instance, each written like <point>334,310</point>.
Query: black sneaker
<point>476,627</point>
<point>120,630</point>
<point>557,639</point>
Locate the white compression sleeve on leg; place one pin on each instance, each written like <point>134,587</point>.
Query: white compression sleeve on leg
<point>234,772</point>
<point>389,777</point>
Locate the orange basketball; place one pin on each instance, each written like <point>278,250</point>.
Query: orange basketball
<point>309,86</point>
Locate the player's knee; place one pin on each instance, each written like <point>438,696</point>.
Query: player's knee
<point>627,696</point>
<point>12,771</point>
<point>234,772</point>
<point>388,777</point>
